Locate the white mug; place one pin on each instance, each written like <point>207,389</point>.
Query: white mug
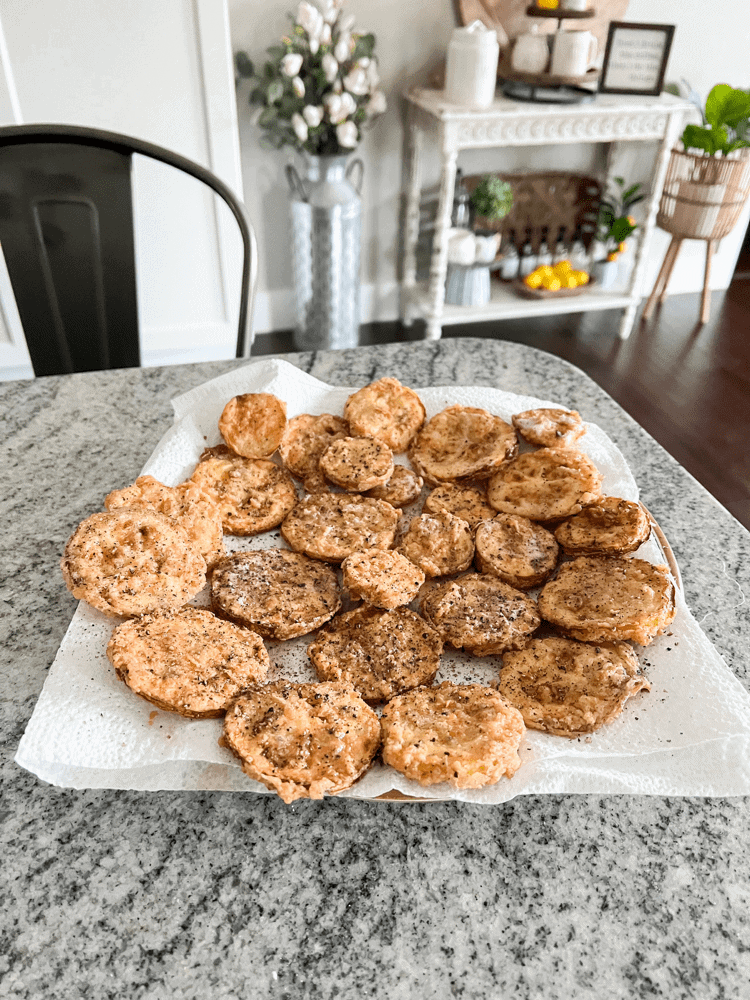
<point>530,52</point>
<point>573,53</point>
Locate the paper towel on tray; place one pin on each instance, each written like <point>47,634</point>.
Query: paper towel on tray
<point>689,736</point>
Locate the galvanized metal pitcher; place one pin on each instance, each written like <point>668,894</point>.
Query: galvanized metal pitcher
<point>326,234</point>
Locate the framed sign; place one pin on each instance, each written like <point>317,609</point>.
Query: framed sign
<point>635,58</point>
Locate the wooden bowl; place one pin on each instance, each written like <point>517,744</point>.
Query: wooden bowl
<point>545,293</point>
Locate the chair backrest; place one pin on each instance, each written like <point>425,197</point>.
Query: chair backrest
<point>66,230</point>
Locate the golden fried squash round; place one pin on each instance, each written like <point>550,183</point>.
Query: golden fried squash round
<point>305,439</point>
<point>187,661</point>
<point>463,734</point>
<point>195,510</point>
<point>403,488</point>
<point>462,443</point>
<point>132,561</point>
<point>253,494</point>
<point>331,526</point>
<point>466,502</point>
<point>603,598</point>
<point>610,526</point>
<point>385,410</point>
<point>277,593</point>
<point>545,485</point>
<point>380,653</point>
<point>253,424</point>
<point>440,544</point>
<point>480,614</point>
<point>516,550</point>
<point>549,427</point>
<point>385,579</point>
<point>303,741</point>
<point>568,688</point>
<point>357,463</point>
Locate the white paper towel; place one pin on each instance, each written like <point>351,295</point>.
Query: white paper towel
<point>689,736</point>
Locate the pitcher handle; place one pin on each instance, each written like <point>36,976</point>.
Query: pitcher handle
<point>350,169</point>
<point>593,51</point>
<point>295,183</point>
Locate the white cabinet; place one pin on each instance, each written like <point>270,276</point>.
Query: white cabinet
<point>607,119</point>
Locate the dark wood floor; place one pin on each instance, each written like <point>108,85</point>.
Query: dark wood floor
<point>688,386</point>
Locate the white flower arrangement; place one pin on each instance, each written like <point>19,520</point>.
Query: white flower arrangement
<point>321,85</point>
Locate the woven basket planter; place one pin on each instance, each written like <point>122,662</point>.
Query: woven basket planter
<point>703,196</point>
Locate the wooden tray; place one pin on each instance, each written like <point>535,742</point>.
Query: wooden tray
<point>561,15</point>
<point>674,569</point>
<point>523,290</point>
<point>505,71</point>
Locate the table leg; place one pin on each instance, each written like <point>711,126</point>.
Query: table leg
<point>413,190</point>
<point>674,126</point>
<point>627,321</point>
<point>706,297</point>
<point>439,260</point>
<point>660,285</point>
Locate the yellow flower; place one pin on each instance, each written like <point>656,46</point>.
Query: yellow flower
<point>533,280</point>
<point>563,267</point>
<point>581,277</point>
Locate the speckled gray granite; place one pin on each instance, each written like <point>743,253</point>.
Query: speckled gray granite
<point>217,896</point>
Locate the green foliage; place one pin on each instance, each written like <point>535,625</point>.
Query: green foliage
<point>492,198</point>
<point>244,65</point>
<point>725,122</point>
<point>614,221</point>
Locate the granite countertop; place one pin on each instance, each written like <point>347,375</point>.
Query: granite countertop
<point>214,895</point>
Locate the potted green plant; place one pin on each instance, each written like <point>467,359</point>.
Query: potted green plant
<point>615,224</point>
<point>708,181</point>
<point>490,201</point>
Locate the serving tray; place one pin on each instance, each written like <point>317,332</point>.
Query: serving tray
<point>89,731</point>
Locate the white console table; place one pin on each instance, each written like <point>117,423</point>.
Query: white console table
<point>607,119</point>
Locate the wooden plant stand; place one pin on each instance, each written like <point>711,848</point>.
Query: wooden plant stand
<point>702,199</point>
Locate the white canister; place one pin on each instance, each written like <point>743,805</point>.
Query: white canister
<point>471,73</point>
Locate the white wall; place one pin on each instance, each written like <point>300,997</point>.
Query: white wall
<point>710,46</point>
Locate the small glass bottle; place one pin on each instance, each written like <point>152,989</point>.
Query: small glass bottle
<point>528,259</point>
<point>461,214</point>
<point>579,258</point>
<point>509,266</point>
<point>561,251</point>
<point>544,257</point>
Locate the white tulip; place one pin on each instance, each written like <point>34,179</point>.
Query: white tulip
<point>300,127</point>
<point>330,67</point>
<point>346,133</point>
<point>343,48</point>
<point>314,45</point>
<point>348,105</point>
<point>333,105</point>
<point>373,76</point>
<point>310,18</point>
<point>337,86</point>
<point>291,64</point>
<point>325,35</point>
<point>313,115</point>
<point>298,87</point>
<point>346,23</point>
<point>377,103</point>
<point>356,81</point>
<point>331,10</point>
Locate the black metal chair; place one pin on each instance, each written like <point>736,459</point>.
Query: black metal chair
<point>66,230</point>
